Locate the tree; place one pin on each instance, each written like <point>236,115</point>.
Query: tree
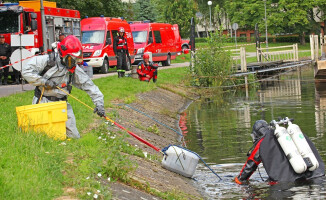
<point>144,11</point>
<point>178,12</point>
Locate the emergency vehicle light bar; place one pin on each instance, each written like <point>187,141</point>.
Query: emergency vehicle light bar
<point>9,4</point>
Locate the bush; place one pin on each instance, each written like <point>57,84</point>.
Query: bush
<point>213,64</point>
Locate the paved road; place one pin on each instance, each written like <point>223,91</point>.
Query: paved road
<point>13,89</point>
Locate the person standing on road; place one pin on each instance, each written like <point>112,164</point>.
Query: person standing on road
<point>61,70</point>
<point>147,70</point>
<point>120,48</point>
<point>5,52</point>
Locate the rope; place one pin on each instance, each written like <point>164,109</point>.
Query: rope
<point>20,61</point>
<point>166,148</point>
<point>41,96</point>
<point>118,125</point>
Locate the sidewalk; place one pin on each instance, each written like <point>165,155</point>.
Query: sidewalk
<point>13,89</point>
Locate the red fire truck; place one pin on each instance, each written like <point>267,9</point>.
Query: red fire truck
<point>97,40</point>
<point>162,40</point>
<point>25,18</point>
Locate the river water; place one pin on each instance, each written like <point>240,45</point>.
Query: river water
<point>219,129</point>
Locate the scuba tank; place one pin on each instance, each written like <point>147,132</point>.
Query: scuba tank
<point>302,145</point>
<point>289,148</point>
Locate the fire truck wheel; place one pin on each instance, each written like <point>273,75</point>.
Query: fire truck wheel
<point>167,62</point>
<point>105,67</point>
<point>128,63</point>
<point>184,47</point>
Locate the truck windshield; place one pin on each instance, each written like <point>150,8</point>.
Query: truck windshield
<point>93,37</point>
<point>139,36</point>
<point>8,22</point>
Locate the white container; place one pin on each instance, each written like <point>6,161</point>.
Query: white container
<point>180,161</point>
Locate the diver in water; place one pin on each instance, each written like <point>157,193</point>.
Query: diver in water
<point>266,149</point>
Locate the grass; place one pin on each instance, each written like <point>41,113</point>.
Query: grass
<point>33,166</point>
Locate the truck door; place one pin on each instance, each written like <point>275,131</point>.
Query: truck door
<point>115,33</point>
<point>158,54</point>
<point>177,38</point>
<point>108,48</point>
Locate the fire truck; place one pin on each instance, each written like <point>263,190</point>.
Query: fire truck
<point>25,18</point>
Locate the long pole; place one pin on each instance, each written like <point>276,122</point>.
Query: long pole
<point>43,27</point>
<point>210,18</point>
<point>266,27</point>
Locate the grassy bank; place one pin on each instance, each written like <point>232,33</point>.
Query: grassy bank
<point>33,166</point>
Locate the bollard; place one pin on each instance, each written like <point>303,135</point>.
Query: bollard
<point>134,72</point>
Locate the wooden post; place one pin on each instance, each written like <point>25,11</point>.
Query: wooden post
<point>297,51</point>
<point>312,45</point>
<point>316,53</point>
<point>243,59</point>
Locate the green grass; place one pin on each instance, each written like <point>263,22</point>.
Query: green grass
<point>33,166</point>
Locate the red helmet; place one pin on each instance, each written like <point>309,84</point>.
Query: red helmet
<point>71,51</point>
<point>145,56</point>
<point>121,30</point>
<point>70,46</point>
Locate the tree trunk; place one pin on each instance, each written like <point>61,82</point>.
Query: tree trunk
<point>324,26</point>
<point>302,39</point>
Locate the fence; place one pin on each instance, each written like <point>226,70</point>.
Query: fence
<point>266,55</point>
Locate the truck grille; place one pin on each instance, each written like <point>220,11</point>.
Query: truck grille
<point>87,54</point>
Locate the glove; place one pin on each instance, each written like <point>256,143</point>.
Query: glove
<point>100,111</point>
<point>50,84</point>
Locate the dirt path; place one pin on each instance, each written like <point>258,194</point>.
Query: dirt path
<point>162,105</point>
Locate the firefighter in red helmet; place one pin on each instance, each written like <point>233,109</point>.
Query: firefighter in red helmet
<point>147,69</point>
<point>120,48</point>
<point>57,72</point>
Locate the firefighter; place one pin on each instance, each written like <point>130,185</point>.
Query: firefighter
<point>147,70</point>
<point>61,70</point>
<point>120,48</point>
<point>5,52</point>
<point>266,149</point>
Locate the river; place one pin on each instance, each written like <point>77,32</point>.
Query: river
<point>219,130</point>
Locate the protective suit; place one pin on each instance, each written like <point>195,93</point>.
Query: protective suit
<point>147,70</point>
<point>267,150</point>
<point>50,72</point>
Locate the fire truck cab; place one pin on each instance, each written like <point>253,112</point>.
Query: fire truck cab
<point>25,18</point>
<point>162,40</point>
<point>98,34</point>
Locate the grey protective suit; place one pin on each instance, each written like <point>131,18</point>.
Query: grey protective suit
<point>60,75</point>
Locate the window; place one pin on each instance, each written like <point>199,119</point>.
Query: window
<point>243,35</point>
<point>157,36</point>
<point>115,33</point>
<point>108,38</point>
<point>252,35</point>
<point>93,37</point>
<point>8,22</point>
<point>139,36</point>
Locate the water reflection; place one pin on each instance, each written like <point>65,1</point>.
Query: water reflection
<point>219,130</point>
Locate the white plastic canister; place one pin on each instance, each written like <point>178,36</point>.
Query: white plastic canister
<point>180,161</point>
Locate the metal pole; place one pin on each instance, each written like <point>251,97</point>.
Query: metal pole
<point>235,38</point>
<point>43,27</point>
<point>210,18</point>
<point>266,27</point>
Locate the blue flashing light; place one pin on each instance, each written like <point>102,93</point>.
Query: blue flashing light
<point>10,4</point>
<point>101,15</point>
<point>86,17</point>
<point>147,21</point>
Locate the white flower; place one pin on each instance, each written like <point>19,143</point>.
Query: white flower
<point>87,177</point>
<point>112,137</point>
<point>136,145</point>
<point>145,154</point>
<point>95,196</point>
<point>98,191</point>
<point>106,122</point>
<point>89,194</point>
<point>109,133</point>
<point>99,137</point>
<point>104,139</point>
<point>109,179</point>
<point>99,174</point>
<point>63,143</point>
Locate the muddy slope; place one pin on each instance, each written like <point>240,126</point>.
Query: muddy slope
<point>163,106</point>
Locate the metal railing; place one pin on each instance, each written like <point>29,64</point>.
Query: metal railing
<point>290,53</point>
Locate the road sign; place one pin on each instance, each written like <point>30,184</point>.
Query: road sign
<point>235,26</point>
<point>22,40</point>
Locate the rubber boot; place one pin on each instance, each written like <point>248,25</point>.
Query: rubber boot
<point>154,80</point>
<point>119,74</point>
<point>122,74</point>
<point>16,82</point>
<point>0,81</point>
<point>5,82</point>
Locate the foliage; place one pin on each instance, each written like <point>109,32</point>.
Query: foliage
<point>213,64</point>
<point>177,12</point>
<point>144,11</point>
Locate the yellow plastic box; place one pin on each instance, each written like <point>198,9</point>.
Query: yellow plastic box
<point>36,5</point>
<point>49,118</point>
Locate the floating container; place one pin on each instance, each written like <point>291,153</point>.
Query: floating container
<point>180,161</point>
<point>49,118</point>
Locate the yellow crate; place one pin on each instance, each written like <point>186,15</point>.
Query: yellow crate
<point>36,5</point>
<point>49,118</point>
